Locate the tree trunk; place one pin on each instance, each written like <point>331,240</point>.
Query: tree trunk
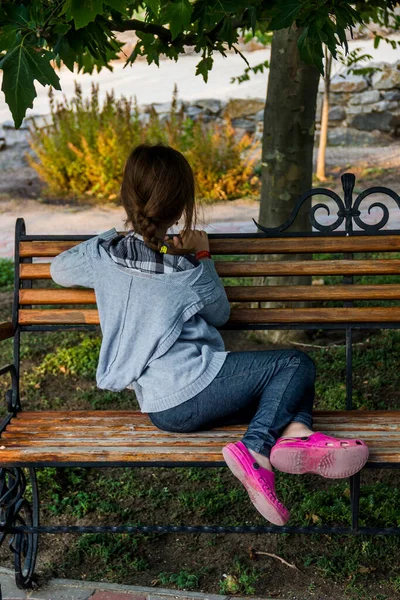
<point>323,138</point>
<point>287,152</point>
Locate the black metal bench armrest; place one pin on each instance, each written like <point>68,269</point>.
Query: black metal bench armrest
<point>12,395</point>
<point>6,330</point>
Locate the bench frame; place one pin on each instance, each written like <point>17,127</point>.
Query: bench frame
<point>21,519</point>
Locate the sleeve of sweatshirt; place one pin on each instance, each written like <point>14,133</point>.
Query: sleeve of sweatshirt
<point>217,309</point>
<point>73,267</point>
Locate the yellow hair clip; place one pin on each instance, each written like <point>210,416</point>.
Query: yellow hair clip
<point>164,249</point>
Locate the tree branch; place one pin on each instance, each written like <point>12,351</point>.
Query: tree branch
<point>164,34</point>
<point>135,25</point>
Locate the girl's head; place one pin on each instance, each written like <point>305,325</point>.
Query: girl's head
<point>157,188</point>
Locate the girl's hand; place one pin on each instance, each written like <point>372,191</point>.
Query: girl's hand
<point>176,240</point>
<point>195,239</point>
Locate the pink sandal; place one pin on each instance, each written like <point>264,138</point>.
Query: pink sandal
<point>318,453</point>
<point>259,482</point>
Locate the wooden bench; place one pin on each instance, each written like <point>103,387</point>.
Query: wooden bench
<point>31,440</point>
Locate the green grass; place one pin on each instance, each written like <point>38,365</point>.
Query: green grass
<point>80,359</point>
<point>112,556</point>
<point>182,580</point>
<point>6,274</point>
<point>241,580</point>
<point>373,360</point>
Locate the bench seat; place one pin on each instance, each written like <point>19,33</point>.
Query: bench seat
<point>102,438</point>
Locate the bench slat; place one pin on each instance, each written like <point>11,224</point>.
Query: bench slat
<point>83,440</point>
<point>65,296</point>
<point>390,314</point>
<point>237,294</point>
<point>243,316</point>
<point>35,271</point>
<point>387,243</point>
<point>269,269</point>
<point>308,267</point>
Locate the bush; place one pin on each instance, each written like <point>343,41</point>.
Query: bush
<point>6,272</point>
<point>84,147</point>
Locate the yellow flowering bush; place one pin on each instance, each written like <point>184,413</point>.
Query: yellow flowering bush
<point>82,150</point>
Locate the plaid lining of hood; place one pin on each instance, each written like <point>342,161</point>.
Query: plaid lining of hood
<point>130,251</point>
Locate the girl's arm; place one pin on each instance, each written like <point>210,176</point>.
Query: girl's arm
<point>217,309</point>
<point>73,267</point>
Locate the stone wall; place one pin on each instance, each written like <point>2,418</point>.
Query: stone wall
<point>365,110</point>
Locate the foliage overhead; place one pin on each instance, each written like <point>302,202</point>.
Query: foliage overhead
<point>37,35</point>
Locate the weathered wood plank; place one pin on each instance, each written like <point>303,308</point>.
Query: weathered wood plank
<point>238,315</point>
<point>266,269</point>
<point>313,293</point>
<point>34,271</point>
<point>274,293</point>
<point>58,317</point>
<point>81,454</point>
<point>67,296</point>
<point>387,243</point>
<point>308,267</point>
<point>101,436</point>
<point>315,315</point>
<point>335,415</point>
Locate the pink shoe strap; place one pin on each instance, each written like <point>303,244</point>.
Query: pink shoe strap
<point>320,440</point>
<point>269,476</point>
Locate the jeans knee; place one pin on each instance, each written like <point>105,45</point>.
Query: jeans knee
<point>306,362</point>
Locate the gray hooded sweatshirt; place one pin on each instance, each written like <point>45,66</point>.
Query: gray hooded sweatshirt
<point>159,333</point>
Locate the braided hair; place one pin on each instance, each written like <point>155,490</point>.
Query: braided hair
<point>157,188</point>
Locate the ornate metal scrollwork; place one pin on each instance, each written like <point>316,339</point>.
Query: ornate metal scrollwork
<point>15,510</point>
<point>347,210</point>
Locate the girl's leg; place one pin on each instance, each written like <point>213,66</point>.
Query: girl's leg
<point>285,399</point>
<point>267,389</point>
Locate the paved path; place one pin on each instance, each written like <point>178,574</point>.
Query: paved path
<point>68,589</point>
<point>43,218</point>
<point>226,217</point>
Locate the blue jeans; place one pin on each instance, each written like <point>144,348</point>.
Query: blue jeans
<point>267,389</point>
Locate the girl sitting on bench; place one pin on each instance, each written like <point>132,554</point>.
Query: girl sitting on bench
<point>160,302</point>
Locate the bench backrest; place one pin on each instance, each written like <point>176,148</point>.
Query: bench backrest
<point>40,304</point>
<point>356,295</point>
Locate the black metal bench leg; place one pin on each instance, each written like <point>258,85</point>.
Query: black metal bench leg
<point>355,500</point>
<point>16,510</point>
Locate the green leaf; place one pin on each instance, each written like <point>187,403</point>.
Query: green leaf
<point>311,50</point>
<point>8,37</point>
<point>62,28</point>
<point>178,15</point>
<point>19,14</point>
<point>118,5</point>
<point>85,11</point>
<point>204,66</point>
<point>64,52</point>
<point>285,14</point>
<point>232,6</point>
<point>154,5</point>
<point>21,66</point>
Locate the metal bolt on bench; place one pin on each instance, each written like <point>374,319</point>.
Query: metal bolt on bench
<point>31,440</point>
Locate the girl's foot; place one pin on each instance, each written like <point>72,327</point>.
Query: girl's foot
<point>318,453</point>
<point>258,481</point>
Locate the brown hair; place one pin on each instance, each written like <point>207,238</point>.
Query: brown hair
<point>157,187</point>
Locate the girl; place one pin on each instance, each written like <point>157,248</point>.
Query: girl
<point>160,302</point>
